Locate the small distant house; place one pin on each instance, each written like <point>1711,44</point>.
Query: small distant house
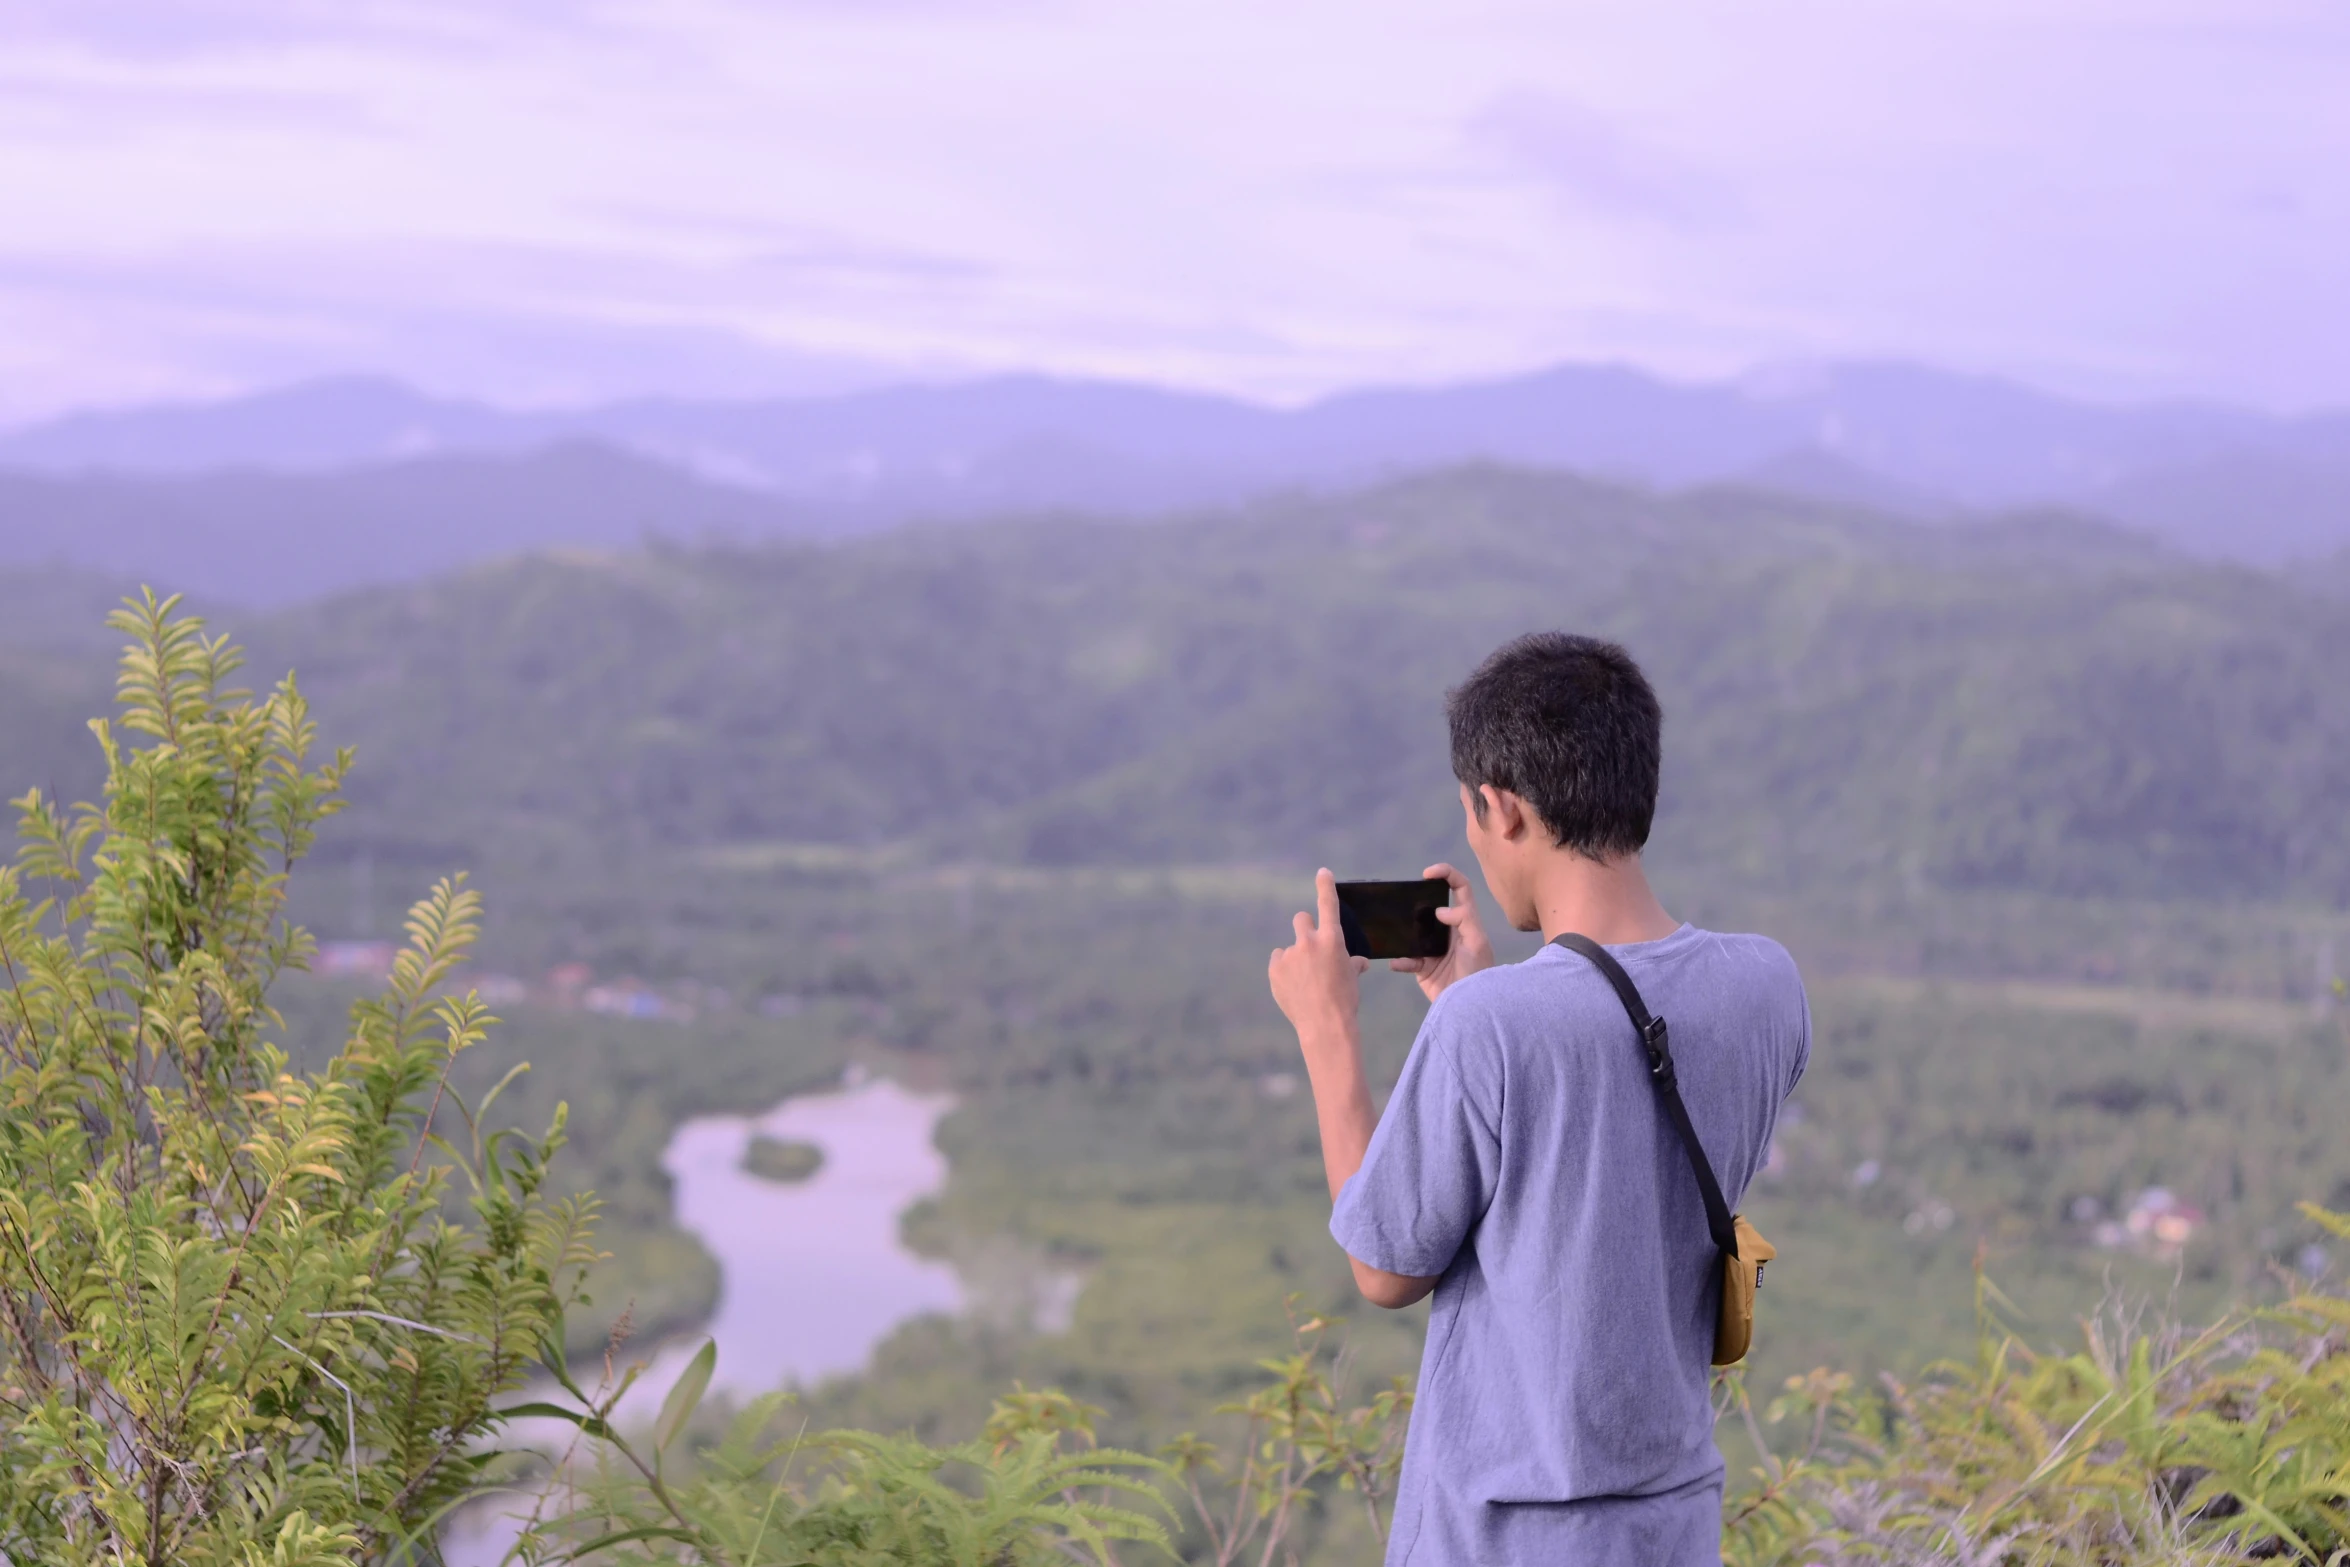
<point>501,990</point>
<point>630,999</point>
<point>355,959</point>
<point>2157,1223</point>
<point>566,982</point>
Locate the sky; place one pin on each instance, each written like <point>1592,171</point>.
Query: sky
<point>539,201</point>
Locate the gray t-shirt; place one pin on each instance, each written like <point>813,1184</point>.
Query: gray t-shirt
<point>1562,1414</point>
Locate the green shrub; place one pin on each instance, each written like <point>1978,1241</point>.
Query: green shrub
<point>2150,1444</point>
<point>244,1318</point>
<point>767,1494</point>
<point>1032,1488</point>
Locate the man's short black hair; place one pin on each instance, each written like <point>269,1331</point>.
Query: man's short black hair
<point>1569,725</point>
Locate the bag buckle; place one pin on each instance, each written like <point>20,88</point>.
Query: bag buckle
<point>1660,1055</point>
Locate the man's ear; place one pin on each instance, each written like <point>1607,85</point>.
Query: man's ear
<point>1506,812</point>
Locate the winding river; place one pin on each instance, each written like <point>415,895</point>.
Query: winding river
<point>812,1275</point>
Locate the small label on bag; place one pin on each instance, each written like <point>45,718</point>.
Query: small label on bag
<point>1758,1270</point>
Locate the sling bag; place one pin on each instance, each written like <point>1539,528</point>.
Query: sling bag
<point>1743,1249</point>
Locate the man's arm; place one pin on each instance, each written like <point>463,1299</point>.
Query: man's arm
<point>1318,988</point>
<point>1342,1105</point>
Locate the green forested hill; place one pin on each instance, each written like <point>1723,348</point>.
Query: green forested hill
<point>1891,718</point>
<point>1019,808</point>
<point>2037,706</point>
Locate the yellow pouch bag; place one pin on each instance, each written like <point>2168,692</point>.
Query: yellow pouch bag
<point>1742,1272</point>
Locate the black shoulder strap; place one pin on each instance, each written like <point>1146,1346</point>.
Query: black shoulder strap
<point>1660,1070</point>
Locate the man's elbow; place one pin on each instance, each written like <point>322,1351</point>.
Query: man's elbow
<point>1394,1291</point>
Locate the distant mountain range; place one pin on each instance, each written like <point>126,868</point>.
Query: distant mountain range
<point>353,480</point>
<point>249,536</point>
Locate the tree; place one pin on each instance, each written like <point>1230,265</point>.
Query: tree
<point>246,1313</point>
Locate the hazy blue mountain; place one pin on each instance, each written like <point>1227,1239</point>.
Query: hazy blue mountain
<point>330,423</point>
<point>1986,442</point>
<point>52,609</point>
<point>254,537</point>
<point>2217,480</point>
<point>2264,506</point>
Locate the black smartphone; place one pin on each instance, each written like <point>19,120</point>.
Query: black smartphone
<point>1395,919</point>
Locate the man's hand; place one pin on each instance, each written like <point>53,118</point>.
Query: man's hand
<point>1315,983</point>
<point>1470,950</point>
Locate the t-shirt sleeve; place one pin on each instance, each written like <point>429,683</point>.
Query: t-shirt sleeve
<point>1803,1048</point>
<point>1430,1171</point>
<point>1802,1052</point>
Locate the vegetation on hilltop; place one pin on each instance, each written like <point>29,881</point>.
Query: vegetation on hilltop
<point>1129,1114</point>
<point>249,1318</point>
<point>2151,1445</point>
<point>253,1320</point>
<point>947,794</point>
<point>1864,715</point>
<point>2038,706</point>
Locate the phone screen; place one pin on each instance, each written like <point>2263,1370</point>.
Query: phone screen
<point>1395,919</point>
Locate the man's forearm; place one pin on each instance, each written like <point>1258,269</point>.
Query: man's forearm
<point>1342,1104</point>
<point>1342,1101</point>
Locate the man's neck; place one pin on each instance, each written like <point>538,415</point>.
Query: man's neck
<point>1610,901</point>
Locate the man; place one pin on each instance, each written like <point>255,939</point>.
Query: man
<point>1523,1170</point>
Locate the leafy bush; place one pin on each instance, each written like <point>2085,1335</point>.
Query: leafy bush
<point>1032,1488</point>
<point>2150,1444</point>
<point>1300,1440</point>
<point>244,1318</point>
<point>1014,1497</point>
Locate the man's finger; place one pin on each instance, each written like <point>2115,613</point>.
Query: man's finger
<point>1454,913</point>
<point>1326,898</point>
<point>1406,965</point>
<point>1459,882</point>
<point>1303,925</point>
<point>1359,965</point>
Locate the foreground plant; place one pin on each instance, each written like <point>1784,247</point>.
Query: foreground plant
<point>768,1495</point>
<point>1300,1440</point>
<point>2146,1446</point>
<point>1034,1487</point>
<point>244,1318</point>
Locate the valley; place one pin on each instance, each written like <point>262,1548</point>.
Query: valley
<point>1013,812</point>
